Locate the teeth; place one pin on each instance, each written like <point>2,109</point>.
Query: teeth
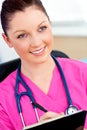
<point>39,51</point>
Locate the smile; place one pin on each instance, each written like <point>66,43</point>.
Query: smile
<point>38,52</point>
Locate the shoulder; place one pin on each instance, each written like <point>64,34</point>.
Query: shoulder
<point>7,89</point>
<point>8,82</point>
<point>75,72</point>
<point>72,63</point>
<point>74,69</point>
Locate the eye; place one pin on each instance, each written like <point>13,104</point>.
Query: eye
<point>42,28</point>
<point>22,36</point>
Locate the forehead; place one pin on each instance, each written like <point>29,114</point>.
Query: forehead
<point>29,16</point>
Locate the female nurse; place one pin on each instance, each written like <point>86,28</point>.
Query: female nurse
<point>27,28</point>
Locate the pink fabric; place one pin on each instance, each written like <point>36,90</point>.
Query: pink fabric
<point>56,100</point>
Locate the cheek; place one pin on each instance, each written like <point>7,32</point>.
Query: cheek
<point>49,38</point>
<point>20,48</point>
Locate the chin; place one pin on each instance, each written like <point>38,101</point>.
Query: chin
<point>43,59</point>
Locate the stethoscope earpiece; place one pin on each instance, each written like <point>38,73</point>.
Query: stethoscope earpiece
<point>71,110</point>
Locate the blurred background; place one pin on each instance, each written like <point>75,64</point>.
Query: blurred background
<point>69,25</point>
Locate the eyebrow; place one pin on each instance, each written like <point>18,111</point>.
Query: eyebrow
<point>17,31</point>
<point>43,22</point>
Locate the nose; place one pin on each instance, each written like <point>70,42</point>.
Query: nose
<point>36,40</point>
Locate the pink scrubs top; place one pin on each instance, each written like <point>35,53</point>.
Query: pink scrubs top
<point>56,100</point>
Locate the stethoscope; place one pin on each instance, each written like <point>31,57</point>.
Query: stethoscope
<point>71,109</point>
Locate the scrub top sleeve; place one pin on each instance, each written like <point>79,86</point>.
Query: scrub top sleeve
<point>5,123</point>
<point>84,78</point>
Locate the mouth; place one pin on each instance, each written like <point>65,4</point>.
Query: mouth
<point>39,51</point>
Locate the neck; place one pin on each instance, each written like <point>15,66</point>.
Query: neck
<point>38,70</point>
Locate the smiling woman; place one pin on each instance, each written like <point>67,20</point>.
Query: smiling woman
<point>32,92</point>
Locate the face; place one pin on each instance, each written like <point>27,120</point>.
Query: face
<point>30,35</point>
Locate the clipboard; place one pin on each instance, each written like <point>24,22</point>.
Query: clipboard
<point>74,121</point>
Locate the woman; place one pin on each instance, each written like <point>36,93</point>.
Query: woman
<point>27,29</point>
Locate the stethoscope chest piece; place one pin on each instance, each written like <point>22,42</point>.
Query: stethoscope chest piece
<point>71,110</point>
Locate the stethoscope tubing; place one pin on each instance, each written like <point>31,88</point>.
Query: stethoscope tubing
<point>64,82</point>
<point>28,93</point>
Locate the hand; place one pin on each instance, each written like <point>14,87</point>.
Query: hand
<point>50,115</point>
<point>80,128</point>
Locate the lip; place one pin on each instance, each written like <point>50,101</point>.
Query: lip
<point>38,51</point>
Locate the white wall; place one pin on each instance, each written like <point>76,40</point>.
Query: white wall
<point>6,53</point>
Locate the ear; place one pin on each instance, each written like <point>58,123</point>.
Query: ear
<point>6,39</point>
